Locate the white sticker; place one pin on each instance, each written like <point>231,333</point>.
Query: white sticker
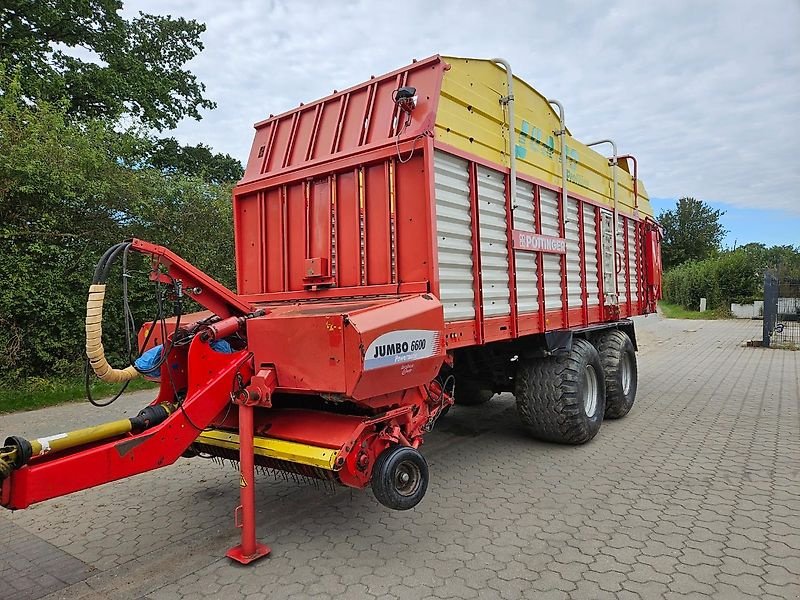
<point>45,442</point>
<point>401,346</point>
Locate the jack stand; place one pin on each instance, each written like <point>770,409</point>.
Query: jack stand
<point>249,549</point>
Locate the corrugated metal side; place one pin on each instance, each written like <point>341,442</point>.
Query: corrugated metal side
<point>573,257</point>
<point>551,262</point>
<point>606,238</point>
<point>620,266</point>
<point>493,242</point>
<point>454,236</point>
<point>525,220</point>
<point>634,274</point>
<point>591,241</point>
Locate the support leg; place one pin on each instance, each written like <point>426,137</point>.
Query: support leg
<point>249,549</point>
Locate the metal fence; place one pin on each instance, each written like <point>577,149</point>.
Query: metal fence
<point>781,311</point>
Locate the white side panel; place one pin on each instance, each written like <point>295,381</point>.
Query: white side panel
<point>494,242</point>
<point>634,275</point>
<point>622,270</point>
<point>572,234</point>
<point>551,262</point>
<point>590,240</point>
<point>454,237</point>
<point>607,248</point>
<point>525,220</point>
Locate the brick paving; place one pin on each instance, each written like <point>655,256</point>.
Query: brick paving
<point>696,494</point>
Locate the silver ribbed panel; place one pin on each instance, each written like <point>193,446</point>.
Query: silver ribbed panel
<point>590,240</point>
<point>525,220</point>
<point>494,242</point>
<point>620,261</point>
<point>572,234</point>
<point>454,236</point>
<point>634,266</point>
<point>551,262</point>
<point>607,248</point>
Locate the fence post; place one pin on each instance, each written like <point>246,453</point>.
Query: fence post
<point>770,305</point>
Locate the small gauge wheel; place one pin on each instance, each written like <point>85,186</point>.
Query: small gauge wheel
<point>400,477</point>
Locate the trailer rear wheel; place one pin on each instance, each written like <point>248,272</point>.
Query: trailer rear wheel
<point>470,392</point>
<point>620,370</point>
<point>400,477</point>
<point>562,398</point>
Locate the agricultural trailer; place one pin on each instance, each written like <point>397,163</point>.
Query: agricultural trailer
<point>431,236</point>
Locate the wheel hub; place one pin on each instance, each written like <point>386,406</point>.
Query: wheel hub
<point>407,478</point>
<point>590,391</point>
<point>625,373</point>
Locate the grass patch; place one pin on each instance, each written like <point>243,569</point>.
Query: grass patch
<point>37,392</point>
<point>675,311</point>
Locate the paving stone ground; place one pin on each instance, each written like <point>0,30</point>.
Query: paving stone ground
<point>696,494</point>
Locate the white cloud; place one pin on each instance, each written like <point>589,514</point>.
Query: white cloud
<point>706,94</point>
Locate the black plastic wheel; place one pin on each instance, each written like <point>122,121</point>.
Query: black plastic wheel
<point>621,373</point>
<point>562,398</point>
<point>470,392</point>
<point>400,477</point>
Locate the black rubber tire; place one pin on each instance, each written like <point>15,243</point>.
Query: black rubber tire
<point>549,394</point>
<point>390,466</point>
<point>614,346</point>
<point>470,392</point>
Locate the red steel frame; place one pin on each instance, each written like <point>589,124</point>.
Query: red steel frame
<point>477,279</point>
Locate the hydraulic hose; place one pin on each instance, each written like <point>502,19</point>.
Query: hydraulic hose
<point>94,339</point>
<point>94,322</point>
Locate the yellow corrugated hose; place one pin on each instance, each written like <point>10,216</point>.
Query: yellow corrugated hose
<point>94,339</point>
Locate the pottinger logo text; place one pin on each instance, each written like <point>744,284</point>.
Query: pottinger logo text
<point>535,242</point>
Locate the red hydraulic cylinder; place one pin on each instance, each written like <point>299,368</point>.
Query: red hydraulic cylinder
<point>249,549</point>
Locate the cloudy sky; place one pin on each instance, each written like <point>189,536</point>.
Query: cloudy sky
<point>705,93</point>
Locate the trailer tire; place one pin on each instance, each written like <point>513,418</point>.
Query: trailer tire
<point>620,371</point>
<point>562,398</point>
<point>469,392</point>
<point>400,477</point>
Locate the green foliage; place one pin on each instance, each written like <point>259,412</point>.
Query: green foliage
<point>674,311</point>
<point>732,276</point>
<point>686,284</point>
<point>103,65</point>
<point>74,179</point>
<point>170,157</point>
<point>786,259</point>
<point>692,231</point>
<point>68,191</point>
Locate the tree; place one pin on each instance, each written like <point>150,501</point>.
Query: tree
<point>170,157</point>
<point>68,190</point>
<point>104,65</point>
<point>692,231</point>
<point>785,258</point>
<point>76,177</point>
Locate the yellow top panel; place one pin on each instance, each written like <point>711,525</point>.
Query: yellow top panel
<point>471,118</point>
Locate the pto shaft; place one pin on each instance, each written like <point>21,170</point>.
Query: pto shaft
<point>18,451</point>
